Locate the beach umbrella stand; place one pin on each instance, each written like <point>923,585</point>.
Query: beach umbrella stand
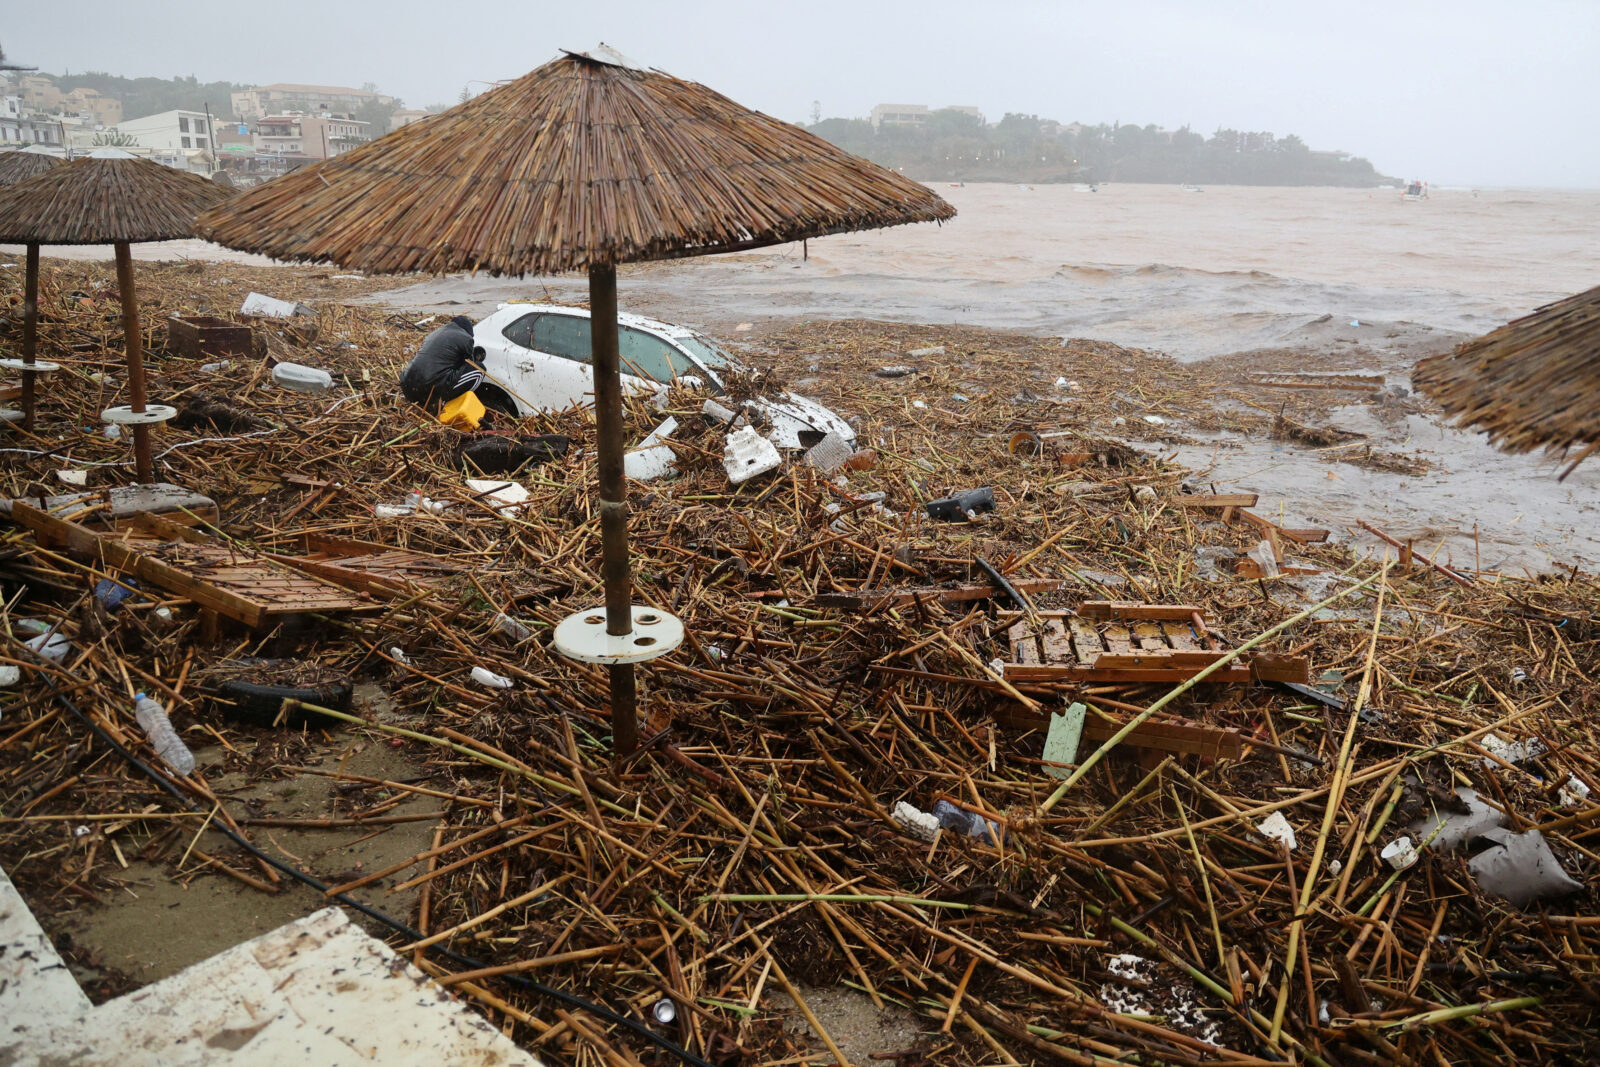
<point>30,365</point>
<point>621,634</point>
<point>139,414</point>
<point>113,198</point>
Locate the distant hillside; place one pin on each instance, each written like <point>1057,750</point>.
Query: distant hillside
<point>151,96</point>
<point>956,146</point>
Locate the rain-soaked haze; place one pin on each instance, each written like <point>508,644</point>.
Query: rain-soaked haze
<point>1490,103</point>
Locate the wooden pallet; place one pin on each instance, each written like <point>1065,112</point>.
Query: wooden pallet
<point>224,580</point>
<point>1117,641</point>
<point>370,567</point>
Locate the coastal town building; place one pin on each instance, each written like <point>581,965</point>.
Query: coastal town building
<point>91,103</point>
<point>914,115</point>
<point>318,136</point>
<point>18,126</point>
<point>406,116</point>
<point>170,130</point>
<point>283,97</point>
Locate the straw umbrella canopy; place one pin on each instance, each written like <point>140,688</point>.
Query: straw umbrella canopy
<point>15,167</point>
<point>1533,383</point>
<point>582,164</point>
<point>109,198</point>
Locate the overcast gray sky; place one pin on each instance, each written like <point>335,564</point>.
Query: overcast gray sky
<point>1480,92</point>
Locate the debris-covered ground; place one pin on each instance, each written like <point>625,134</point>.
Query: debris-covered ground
<point>750,854</point>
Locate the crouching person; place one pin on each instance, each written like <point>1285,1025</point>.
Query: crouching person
<point>446,366</point>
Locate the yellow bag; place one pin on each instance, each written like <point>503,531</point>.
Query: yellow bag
<point>466,409</point>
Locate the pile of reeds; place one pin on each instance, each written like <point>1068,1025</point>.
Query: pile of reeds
<point>750,851</point>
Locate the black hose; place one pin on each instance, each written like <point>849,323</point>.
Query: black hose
<point>373,913</point>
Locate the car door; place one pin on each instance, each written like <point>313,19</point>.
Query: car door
<point>545,361</point>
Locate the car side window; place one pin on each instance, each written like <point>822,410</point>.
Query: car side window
<point>520,332</point>
<point>648,356</point>
<point>566,336</point>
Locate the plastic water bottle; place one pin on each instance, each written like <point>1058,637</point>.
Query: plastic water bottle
<point>168,745</point>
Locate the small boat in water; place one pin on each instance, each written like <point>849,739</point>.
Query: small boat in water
<point>1191,188</point>
<point>1090,188</point>
<point>1415,191</point>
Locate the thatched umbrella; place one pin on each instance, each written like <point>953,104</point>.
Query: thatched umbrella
<point>1533,383</point>
<point>580,165</point>
<point>109,198</point>
<point>15,167</point>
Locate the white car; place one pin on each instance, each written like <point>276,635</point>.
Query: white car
<point>540,355</point>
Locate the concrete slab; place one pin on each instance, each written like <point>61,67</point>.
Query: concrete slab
<point>35,985</point>
<point>316,991</point>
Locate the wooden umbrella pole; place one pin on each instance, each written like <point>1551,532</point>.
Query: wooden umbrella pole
<point>130,333</point>
<point>614,568</point>
<point>30,332</point>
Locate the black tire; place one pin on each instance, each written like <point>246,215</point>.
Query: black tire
<point>258,705</point>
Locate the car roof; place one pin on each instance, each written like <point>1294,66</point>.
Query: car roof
<point>623,318</point>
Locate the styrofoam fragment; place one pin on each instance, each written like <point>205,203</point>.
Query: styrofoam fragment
<point>830,453</point>
<point>714,410</point>
<point>915,822</point>
<point>271,307</point>
<point>749,455</point>
<point>1276,828</point>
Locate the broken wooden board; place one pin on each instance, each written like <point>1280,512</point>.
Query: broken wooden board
<point>1123,641</point>
<point>1216,500</point>
<point>872,600</point>
<point>239,583</point>
<point>1232,506</point>
<point>119,507</point>
<point>1179,737</point>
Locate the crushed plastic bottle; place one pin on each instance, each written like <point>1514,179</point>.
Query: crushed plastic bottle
<point>969,823</point>
<point>163,738</point>
<point>513,629</point>
<point>1265,559</point>
<point>213,368</point>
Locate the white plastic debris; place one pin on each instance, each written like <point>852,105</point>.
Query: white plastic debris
<point>713,410</point>
<point>302,379</point>
<point>918,353</point>
<point>398,654</point>
<point>1155,420</point>
<point>1276,828</point>
<point>915,822</point>
<point>653,458</point>
<point>1573,793</point>
<point>9,675</point>
<point>1459,828</point>
<point>272,308</point>
<point>213,368</point>
<point>508,498</point>
<point>485,677</point>
<point>744,327</point>
<point>749,455</point>
<point>1144,494</point>
<point>919,405</point>
<point>1511,751</point>
<point>1522,869</point>
<point>830,453</point>
<point>53,647</point>
<point>77,478</point>
<point>1265,559</point>
<point>1399,853</point>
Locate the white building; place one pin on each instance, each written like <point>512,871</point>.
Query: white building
<point>170,130</point>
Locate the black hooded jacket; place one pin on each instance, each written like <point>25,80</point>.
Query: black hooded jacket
<point>439,371</point>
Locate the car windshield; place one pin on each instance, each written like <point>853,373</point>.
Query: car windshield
<point>708,352</point>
